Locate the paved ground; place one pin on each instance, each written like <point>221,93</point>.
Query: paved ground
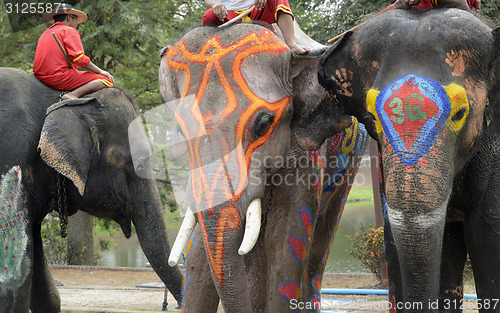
<point>110,290</point>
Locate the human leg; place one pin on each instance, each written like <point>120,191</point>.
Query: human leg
<point>285,23</point>
<point>85,89</point>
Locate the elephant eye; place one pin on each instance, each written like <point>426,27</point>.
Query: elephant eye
<point>262,123</point>
<point>459,115</point>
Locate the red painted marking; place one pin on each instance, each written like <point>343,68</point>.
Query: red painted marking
<point>316,303</point>
<point>336,140</point>
<point>317,282</point>
<point>298,247</point>
<point>290,290</point>
<point>306,220</point>
<point>409,169</point>
<point>422,162</point>
<point>409,112</point>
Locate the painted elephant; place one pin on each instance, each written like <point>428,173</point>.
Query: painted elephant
<point>266,211</point>
<point>426,86</point>
<point>86,142</point>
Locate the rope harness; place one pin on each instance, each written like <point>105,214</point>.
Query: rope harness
<point>62,204</point>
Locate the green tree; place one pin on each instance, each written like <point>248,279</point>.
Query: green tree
<point>322,20</point>
<point>123,37</point>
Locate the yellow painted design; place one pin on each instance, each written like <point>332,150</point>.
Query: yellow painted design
<point>458,101</point>
<point>350,134</point>
<point>246,19</point>
<point>78,57</point>
<point>371,100</point>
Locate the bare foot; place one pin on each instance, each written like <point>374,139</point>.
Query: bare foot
<point>69,96</point>
<point>298,49</point>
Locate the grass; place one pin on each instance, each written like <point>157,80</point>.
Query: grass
<point>358,194</point>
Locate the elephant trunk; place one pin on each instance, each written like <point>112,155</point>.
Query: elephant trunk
<point>147,216</point>
<point>416,208</point>
<point>227,237</point>
<point>418,241</point>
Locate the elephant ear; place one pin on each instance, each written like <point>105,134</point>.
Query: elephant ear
<point>340,74</point>
<point>493,108</point>
<point>317,115</point>
<point>69,138</point>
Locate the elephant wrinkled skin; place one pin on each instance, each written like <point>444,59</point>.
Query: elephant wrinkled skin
<point>85,140</point>
<point>237,94</point>
<point>426,86</point>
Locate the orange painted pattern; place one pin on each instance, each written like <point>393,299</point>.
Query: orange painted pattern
<point>228,220</point>
<point>211,54</point>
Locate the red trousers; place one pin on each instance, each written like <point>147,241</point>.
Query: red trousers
<point>268,14</point>
<point>72,79</point>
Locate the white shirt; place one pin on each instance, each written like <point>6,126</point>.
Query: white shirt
<point>238,5</point>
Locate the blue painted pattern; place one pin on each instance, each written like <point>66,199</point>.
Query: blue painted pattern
<point>412,111</point>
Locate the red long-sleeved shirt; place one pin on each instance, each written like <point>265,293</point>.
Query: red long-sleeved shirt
<point>49,59</point>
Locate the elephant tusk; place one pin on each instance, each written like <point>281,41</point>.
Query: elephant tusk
<point>252,227</point>
<point>183,236</point>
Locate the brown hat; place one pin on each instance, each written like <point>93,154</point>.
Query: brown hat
<point>64,8</point>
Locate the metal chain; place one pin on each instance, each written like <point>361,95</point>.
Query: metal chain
<point>62,205</point>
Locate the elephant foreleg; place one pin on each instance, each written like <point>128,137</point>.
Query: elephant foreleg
<point>393,268</point>
<point>482,235</point>
<point>286,246</point>
<point>453,259</point>
<point>200,294</point>
<point>44,294</point>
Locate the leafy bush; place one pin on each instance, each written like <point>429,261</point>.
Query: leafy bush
<point>368,248</point>
<point>56,248</point>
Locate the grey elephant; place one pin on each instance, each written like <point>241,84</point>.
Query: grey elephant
<point>263,211</point>
<point>86,142</point>
<point>426,86</point>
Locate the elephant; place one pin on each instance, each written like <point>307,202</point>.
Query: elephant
<point>73,155</point>
<point>262,212</point>
<point>425,84</point>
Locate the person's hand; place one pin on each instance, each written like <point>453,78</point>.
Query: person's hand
<point>219,10</point>
<point>406,4</point>
<point>260,4</point>
<point>108,75</point>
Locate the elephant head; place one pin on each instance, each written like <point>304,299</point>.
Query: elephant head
<point>421,82</point>
<point>235,92</point>
<point>87,141</point>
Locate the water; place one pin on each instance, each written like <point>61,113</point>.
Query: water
<point>128,253</point>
